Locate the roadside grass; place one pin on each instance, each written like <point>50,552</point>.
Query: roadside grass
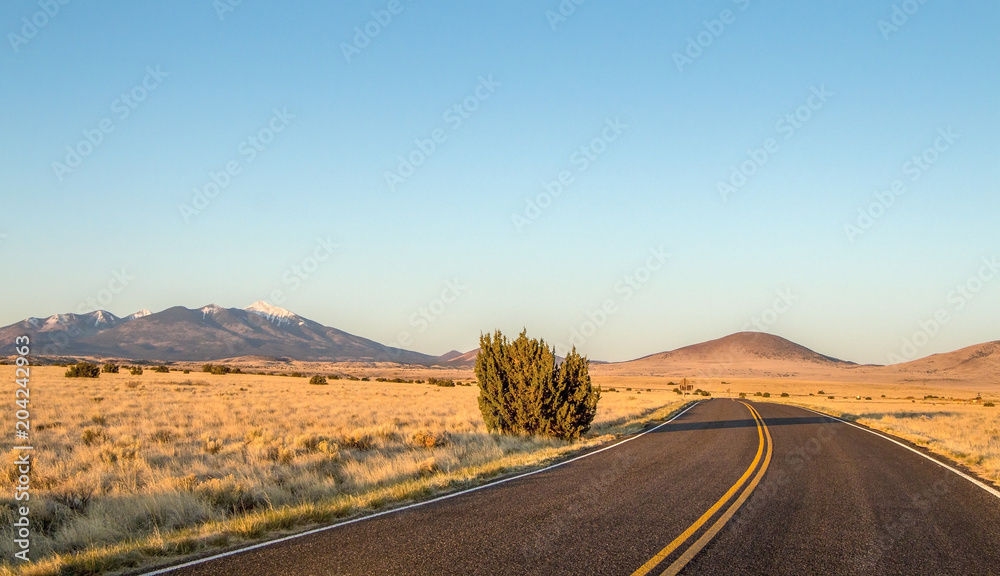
<point>133,471</point>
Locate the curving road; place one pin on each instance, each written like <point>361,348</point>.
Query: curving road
<point>726,488</point>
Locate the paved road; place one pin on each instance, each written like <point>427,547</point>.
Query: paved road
<point>727,488</point>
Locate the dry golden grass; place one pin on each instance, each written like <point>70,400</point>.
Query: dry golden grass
<point>130,470</point>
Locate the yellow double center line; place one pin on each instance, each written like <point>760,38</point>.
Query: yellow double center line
<point>693,550</point>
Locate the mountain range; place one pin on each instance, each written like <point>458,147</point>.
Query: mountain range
<point>203,334</point>
<point>263,331</point>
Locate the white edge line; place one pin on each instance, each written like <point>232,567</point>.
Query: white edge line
<point>975,481</point>
<point>414,505</point>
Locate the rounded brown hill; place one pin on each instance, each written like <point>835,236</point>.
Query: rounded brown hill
<point>742,354</point>
<point>745,347</point>
<point>981,360</point>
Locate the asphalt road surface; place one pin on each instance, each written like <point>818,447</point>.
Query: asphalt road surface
<point>727,488</point>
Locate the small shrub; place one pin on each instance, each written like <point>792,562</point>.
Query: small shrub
<point>830,397</point>
<point>357,440</point>
<point>297,375</point>
<point>217,369</point>
<point>989,404</point>
<point>766,394</point>
<point>187,371</point>
<point>83,370</point>
<point>758,394</point>
<point>743,394</point>
<point>161,369</point>
<point>318,380</point>
<point>110,368</point>
<point>785,395</point>
<point>427,439</point>
<point>92,435</point>
<point>821,393</point>
<point>439,382</point>
<point>131,384</point>
<point>211,445</point>
<point>135,370</point>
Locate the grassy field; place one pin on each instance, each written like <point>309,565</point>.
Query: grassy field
<point>134,470</point>
<point>131,470</point>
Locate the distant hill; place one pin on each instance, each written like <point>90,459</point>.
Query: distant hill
<point>760,355</point>
<point>207,333</point>
<point>745,354</point>
<point>262,332</point>
<point>741,348</point>
<point>964,363</point>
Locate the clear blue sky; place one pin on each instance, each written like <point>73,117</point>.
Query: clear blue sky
<point>551,86</point>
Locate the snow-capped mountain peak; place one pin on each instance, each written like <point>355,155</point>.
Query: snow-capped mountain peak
<point>210,309</point>
<point>262,308</point>
<point>140,314</point>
